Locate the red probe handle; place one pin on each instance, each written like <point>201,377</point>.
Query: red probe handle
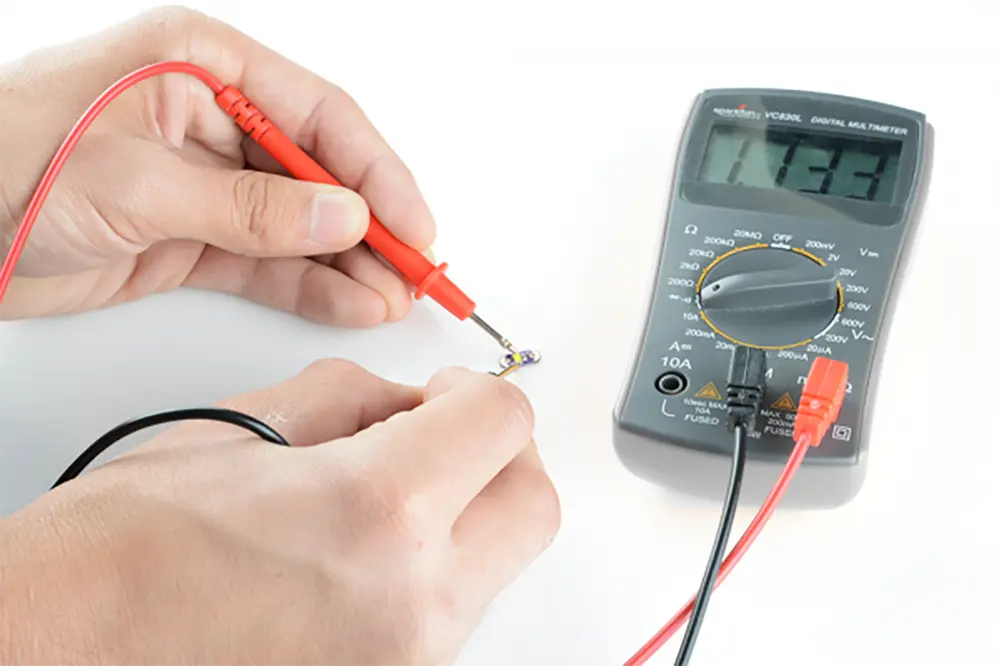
<point>429,279</point>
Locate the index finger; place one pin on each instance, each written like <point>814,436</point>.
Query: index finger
<point>442,454</point>
<point>323,120</point>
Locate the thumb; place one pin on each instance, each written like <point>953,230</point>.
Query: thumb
<point>449,379</point>
<point>266,215</point>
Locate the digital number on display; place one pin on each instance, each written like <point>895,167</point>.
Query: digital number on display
<point>825,164</point>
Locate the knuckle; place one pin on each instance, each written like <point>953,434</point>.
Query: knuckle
<point>388,514</point>
<point>183,33</point>
<point>355,387</point>
<point>449,378</point>
<point>514,402</point>
<point>176,19</point>
<point>407,517</point>
<point>256,208</point>
<point>347,371</point>
<point>545,502</point>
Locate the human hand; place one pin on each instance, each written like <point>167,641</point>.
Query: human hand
<point>380,537</point>
<point>164,190</point>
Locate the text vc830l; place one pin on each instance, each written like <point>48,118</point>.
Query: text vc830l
<point>789,218</point>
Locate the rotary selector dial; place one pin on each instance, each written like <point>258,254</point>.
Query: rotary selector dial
<point>768,296</point>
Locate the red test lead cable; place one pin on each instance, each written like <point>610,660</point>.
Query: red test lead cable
<point>821,400</point>
<point>55,166</point>
<point>428,278</point>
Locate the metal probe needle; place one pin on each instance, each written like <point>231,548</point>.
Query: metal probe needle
<point>493,333</point>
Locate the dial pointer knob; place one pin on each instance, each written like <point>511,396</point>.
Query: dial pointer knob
<point>769,297</point>
<point>770,289</point>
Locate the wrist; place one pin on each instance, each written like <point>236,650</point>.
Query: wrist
<point>58,600</point>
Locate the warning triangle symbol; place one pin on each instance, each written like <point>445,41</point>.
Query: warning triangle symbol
<point>785,403</point>
<point>710,391</point>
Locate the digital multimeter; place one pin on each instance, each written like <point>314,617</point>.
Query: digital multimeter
<point>788,220</point>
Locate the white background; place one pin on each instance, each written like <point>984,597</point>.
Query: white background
<point>543,137</point>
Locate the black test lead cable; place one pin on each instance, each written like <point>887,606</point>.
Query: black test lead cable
<point>232,417</point>
<point>743,399</point>
<point>510,363</point>
<point>718,549</point>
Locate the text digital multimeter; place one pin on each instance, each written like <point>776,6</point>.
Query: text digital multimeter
<point>788,220</point>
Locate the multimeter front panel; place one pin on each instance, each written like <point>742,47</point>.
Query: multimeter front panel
<point>776,195</point>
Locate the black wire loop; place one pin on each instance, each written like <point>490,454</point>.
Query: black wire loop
<point>230,416</point>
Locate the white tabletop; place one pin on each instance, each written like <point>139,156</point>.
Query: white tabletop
<point>544,142</point>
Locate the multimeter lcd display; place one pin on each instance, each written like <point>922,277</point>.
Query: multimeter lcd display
<point>830,164</point>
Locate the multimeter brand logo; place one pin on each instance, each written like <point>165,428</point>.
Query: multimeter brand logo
<point>740,112</point>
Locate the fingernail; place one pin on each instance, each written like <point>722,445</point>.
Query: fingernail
<point>429,254</point>
<point>338,214</point>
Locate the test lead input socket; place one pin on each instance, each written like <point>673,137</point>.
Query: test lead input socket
<point>671,383</point>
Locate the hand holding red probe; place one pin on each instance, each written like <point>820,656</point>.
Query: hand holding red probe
<point>160,192</point>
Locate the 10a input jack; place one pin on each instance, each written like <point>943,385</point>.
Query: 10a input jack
<point>671,383</point>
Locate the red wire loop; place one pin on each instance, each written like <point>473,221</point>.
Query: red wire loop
<point>85,121</point>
